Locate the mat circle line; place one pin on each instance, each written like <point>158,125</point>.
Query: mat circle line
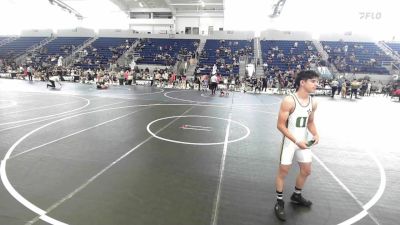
<point>197,143</point>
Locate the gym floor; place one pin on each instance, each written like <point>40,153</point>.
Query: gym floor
<point>139,155</point>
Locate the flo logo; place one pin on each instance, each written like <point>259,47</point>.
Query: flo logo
<point>370,15</point>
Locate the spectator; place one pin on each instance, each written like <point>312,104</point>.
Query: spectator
<point>354,88</point>
<point>334,87</point>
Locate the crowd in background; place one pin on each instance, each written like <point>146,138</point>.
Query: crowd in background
<point>111,73</point>
<point>280,83</point>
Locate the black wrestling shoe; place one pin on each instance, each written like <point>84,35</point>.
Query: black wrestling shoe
<point>299,200</point>
<point>280,210</point>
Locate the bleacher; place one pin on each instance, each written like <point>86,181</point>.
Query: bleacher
<point>394,46</point>
<point>164,51</point>
<point>286,55</point>
<point>2,38</point>
<point>61,46</point>
<point>225,55</point>
<point>18,46</point>
<point>103,51</point>
<point>360,57</point>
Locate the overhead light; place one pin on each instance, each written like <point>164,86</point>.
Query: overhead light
<point>202,3</point>
<point>141,5</point>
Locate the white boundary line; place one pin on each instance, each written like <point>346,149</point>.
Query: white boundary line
<point>21,125</point>
<point>157,92</point>
<point>77,132</point>
<point>38,121</point>
<point>215,210</point>
<point>358,216</point>
<point>199,102</point>
<point>41,212</point>
<point>24,201</point>
<point>55,205</point>
<point>19,121</point>
<point>7,183</point>
<point>374,199</point>
<point>37,108</point>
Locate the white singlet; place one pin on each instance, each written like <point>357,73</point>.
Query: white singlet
<point>297,126</point>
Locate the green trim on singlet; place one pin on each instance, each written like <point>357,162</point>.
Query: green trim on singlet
<point>290,113</point>
<point>309,101</point>
<point>283,142</point>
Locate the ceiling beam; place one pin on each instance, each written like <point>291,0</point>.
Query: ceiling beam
<point>168,2</point>
<point>67,8</point>
<point>122,5</point>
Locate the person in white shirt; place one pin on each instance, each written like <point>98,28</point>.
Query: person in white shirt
<point>60,61</point>
<point>214,83</point>
<point>214,70</point>
<point>368,91</point>
<point>334,87</point>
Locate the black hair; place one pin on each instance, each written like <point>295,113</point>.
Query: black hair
<point>304,75</point>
